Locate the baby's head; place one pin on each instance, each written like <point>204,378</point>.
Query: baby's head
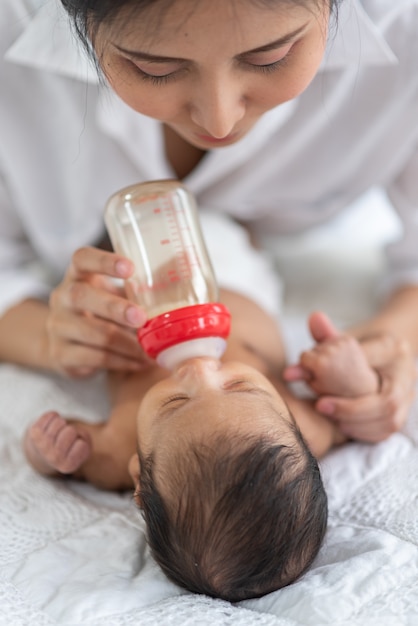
<point>232,497</point>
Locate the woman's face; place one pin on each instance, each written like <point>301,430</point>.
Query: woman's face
<point>209,72</point>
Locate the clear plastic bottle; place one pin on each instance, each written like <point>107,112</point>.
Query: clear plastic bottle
<point>156,225</point>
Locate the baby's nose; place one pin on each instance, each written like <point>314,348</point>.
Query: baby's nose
<point>199,367</point>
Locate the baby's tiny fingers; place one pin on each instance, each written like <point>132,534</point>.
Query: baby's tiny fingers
<point>47,427</point>
<point>43,422</point>
<point>295,372</point>
<point>76,455</point>
<point>65,438</point>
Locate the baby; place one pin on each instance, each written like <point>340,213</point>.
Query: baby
<point>220,453</point>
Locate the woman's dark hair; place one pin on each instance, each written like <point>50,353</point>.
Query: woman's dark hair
<point>244,517</point>
<point>88,15</point>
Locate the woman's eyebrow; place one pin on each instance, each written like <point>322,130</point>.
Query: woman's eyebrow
<point>278,43</point>
<point>154,58</point>
<point>144,56</point>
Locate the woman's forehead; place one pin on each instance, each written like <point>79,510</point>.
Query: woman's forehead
<point>164,17</point>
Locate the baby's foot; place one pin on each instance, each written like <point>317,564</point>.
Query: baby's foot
<point>54,446</point>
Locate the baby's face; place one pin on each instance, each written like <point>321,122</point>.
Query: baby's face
<point>204,396</point>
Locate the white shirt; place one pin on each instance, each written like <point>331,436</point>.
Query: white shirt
<point>67,143</point>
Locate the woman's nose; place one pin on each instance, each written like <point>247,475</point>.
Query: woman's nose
<point>218,107</point>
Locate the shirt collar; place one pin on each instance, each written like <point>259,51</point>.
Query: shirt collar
<point>354,40</point>
<point>48,43</point>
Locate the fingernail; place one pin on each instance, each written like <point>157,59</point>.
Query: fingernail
<point>123,268</point>
<point>326,407</point>
<point>135,316</point>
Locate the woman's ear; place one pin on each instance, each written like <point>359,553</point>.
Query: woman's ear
<point>134,471</point>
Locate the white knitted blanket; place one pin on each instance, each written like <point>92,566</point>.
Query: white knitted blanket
<point>73,556</point>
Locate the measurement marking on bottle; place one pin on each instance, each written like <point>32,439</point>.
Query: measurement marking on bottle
<point>178,237</point>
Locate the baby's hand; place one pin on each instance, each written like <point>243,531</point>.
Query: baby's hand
<point>54,446</point>
<point>337,364</point>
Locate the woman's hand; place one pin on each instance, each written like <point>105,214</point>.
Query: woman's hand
<point>91,325</point>
<point>374,417</point>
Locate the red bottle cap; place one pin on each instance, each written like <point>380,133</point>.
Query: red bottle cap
<point>190,322</point>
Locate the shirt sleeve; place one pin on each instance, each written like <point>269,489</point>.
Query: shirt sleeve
<point>21,273</point>
<point>402,254</point>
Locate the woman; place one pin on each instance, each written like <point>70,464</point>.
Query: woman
<point>272,111</point>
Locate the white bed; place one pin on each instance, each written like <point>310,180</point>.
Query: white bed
<point>71,555</point>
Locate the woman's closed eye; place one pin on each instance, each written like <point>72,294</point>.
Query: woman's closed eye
<point>268,68</point>
<point>163,73</point>
<point>158,73</point>
<point>268,61</point>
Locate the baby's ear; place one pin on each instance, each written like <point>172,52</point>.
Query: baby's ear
<point>134,471</point>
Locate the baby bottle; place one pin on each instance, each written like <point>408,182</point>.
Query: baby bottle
<point>156,225</point>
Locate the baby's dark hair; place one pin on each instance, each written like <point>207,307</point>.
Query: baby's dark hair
<point>246,516</point>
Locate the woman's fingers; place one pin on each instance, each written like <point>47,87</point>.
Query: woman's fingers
<point>89,260</point>
<point>81,296</point>
<point>91,324</point>
<point>369,431</point>
<point>373,417</point>
<point>84,345</point>
<point>383,349</point>
<point>83,287</point>
<point>97,333</point>
<point>81,361</point>
<point>356,410</point>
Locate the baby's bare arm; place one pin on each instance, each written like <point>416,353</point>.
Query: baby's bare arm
<point>57,446</point>
<point>97,453</point>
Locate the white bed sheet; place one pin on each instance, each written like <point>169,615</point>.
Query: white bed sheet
<point>74,556</point>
